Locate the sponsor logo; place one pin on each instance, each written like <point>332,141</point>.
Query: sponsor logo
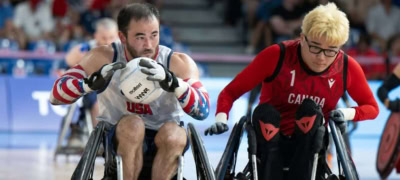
<point>331,82</point>
<point>135,88</point>
<point>142,94</point>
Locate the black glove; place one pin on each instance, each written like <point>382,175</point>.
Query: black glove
<point>216,128</point>
<point>102,77</point>
<point>394,105</point>
<point>157,72</point>
<point>338,117</point>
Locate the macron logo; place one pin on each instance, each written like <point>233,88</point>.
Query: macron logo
<point>331,82</point>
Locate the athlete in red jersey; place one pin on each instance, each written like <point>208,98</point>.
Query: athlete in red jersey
<point>302,81</point>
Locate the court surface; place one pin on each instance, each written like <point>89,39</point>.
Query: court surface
<point>37,163</point>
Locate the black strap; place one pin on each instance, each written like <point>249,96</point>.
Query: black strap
<point>279,65</point>
<point>345,62</point>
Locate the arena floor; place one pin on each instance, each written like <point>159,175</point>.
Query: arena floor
<point>39,164</point>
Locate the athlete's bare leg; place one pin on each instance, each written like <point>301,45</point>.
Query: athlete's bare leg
<point>130,136</point>
<point>170,141</point>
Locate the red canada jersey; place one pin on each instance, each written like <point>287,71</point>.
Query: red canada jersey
<point>287,81</point>
<point>295,82</point>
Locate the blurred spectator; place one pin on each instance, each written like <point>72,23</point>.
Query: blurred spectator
<point>12,37</point>
<point>6,12</point>
<point>286,19</point>
<point>392,53</point>
<point>106,33</point>
<point>95,11</point>
<point>357,11</point>
<point>363,49</point>
<point>394,45</point>
<point>34,18</point>
<point>262,28</point>
<point>68,32</point>
<point>383,22</point>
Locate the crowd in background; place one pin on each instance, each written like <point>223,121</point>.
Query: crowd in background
<point>58,25</point>
<point>55,25</point>
<point>375,26</point>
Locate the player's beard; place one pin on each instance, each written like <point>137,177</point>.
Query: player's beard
<point>136,54</point>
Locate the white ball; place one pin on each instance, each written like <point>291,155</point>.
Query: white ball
<point>134,85</point>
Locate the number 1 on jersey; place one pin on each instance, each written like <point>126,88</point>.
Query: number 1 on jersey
<point>293,72</point>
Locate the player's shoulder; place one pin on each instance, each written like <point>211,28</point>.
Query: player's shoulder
<point>182,65</point>
<point>352,62</point>
<point>104,51</point>
<point>178,58</point>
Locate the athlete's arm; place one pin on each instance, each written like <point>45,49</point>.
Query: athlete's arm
<point>71,86</point>
<point>260,68</point>
<point>73,56</point>
<point>359,90</point>
<point>390,83</point>
<point>191,94</point>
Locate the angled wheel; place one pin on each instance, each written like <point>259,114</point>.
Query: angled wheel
<point>203,166</point>
<point>227,163</point>
<point>85,167</point>
<point>389,146</point>
<point>344,156</point>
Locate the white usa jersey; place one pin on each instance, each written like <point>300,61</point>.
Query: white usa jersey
<point>113,105</point>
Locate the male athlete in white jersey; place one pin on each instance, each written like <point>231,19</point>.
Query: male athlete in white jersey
<point>139,128</point>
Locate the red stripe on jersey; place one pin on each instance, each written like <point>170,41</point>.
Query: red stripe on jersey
<point>57,95</point>
<point>197,85</point>
<point>65,88</point>
<point>77,86</point>
<point>191,101</point>
<point>78,67</point>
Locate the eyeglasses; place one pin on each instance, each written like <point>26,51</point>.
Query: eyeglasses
<point>317,50</point>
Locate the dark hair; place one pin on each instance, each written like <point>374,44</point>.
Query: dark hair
<point>136,11</point>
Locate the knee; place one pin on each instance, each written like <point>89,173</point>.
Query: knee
<point>171,136</point>
<point>309,117</point>
<point>266,121</point>
<point>130,129</point>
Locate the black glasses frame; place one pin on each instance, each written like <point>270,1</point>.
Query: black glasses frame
<point>317,50</point>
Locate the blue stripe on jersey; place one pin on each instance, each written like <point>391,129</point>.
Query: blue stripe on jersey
<point>115,52</point>
<point>202,110</point>
<point>169,58</point>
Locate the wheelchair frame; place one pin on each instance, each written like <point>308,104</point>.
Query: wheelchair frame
<point>227,163</point>
<point>203,167</point>
<point>85,167</point>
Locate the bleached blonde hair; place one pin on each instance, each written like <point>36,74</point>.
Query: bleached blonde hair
<point>327,21</point>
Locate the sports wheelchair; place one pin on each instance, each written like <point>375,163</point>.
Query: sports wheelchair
<point>85,167</point>
<point>84,120</point>
<point>226,166</point>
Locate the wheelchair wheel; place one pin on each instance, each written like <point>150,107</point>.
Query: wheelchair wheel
<point>227,163</point>
<point>85,167</point>
<point>203,166</point>
<point>344,156</point>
